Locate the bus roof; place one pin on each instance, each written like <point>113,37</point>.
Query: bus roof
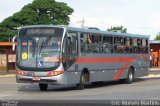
<point>92,31</point>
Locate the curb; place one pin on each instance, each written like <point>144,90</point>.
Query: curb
<point>154,69</point>
<point>152,76</point>
<point>8,75</point>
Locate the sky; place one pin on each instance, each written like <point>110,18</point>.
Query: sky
<point>138,16</point>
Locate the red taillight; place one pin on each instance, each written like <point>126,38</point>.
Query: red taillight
<point>21,73</point>
<point>54,73</point>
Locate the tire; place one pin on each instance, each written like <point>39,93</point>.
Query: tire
<point>80,86</point>
<point>43,87</point>
<point>130,76</point>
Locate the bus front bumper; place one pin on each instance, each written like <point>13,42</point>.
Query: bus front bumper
<point>59,79</point>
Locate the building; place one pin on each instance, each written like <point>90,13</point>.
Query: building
<point>7,57</point>
<point>155,52</point>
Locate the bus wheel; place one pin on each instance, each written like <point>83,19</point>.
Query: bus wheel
<point>130,76</point>
<point>80,86</point>
<point>43,87</point>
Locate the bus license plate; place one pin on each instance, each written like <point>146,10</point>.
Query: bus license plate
<point>36,79</point>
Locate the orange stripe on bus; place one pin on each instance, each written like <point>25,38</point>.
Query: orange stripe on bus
<point>120,72</point>
<point>103,60</point>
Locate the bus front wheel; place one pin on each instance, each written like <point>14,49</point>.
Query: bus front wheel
<point>43,87</point>
<point>83,78</point>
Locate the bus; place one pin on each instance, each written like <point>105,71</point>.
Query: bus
<point>48,54</point>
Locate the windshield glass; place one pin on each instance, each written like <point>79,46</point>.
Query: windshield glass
<point>39,49</point>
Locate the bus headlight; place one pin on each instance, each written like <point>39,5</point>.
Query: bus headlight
<point>55,73</point>
<point>21,73</point>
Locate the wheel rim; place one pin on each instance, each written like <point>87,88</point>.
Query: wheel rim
<point>130,76</point>
<point>83,79</point>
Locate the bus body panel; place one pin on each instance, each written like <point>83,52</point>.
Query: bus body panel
<point>73,77</point>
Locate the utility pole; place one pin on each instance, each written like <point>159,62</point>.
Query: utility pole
<point>82,22</point>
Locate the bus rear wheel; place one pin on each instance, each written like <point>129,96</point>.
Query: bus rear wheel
<point>43,87</point>
<point>130,76</point>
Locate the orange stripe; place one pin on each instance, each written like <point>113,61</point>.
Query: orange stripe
<point>103,60</point>
<point>120,72</point>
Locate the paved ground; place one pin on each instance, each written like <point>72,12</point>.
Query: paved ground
<point>143,88</point>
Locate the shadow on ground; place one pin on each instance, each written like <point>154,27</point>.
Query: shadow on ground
<point>71,87</point>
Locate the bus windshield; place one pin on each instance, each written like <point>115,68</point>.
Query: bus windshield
<point>39,47</point>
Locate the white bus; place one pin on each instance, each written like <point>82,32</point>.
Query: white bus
<point>49,54</point>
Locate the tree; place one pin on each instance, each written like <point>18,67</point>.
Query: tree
<point>38,12</point>
<point>157,36</point>
<point>117,28</point>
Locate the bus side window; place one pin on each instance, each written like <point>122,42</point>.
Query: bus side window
<point>144,48</point>
<point>107,44</point>
<point>89,43</point>
<point>119,45</point>
<point>135,50</point>
<point>97,43</point>
<point>82,41</point>
<point>128,45</point>
<point>85,42</point>
<point>137,45</point>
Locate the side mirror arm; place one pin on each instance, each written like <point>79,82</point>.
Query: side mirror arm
<point>13,42</point>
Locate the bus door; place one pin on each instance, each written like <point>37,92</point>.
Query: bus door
<point>70,50</point>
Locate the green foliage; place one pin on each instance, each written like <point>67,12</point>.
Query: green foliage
<point>157,36</point>
<point>38,12</point>
<point>117,28</point>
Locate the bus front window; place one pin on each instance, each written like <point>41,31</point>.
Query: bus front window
<point>39,51</point>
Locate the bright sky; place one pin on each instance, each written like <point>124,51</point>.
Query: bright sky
<point>138,16</point>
